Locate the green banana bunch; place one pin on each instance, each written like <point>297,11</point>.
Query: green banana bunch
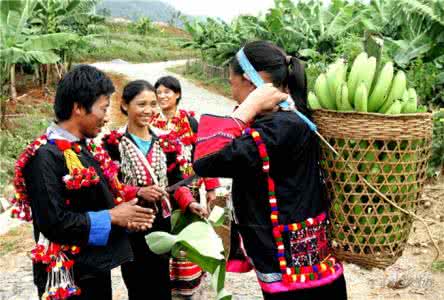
<point>365,88</point>
<point>323,94</point>
<point>381,88</point>
<point>353,77</point>
<point>396,92</point>
<point>342,102</point>
<point>361,97</point>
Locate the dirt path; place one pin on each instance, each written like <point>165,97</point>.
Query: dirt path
<point>194,98</point>
<point>411,273</point>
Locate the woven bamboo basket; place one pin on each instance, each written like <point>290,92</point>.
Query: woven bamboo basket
<point>391,152</point>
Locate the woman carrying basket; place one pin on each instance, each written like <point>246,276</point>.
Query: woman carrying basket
<point>279,200</point>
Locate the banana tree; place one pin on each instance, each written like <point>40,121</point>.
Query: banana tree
<point>411,28</point>
<point>315,26</point>
<point>51,16</point>
<point>215,39</point>
<point>307,27</point>
<point>18,45</point>
<point>56,16</point>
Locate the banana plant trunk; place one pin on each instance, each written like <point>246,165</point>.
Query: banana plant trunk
<point>59,70</point>
<point>44,75</point>
<point>12,88</point>
<point>3,112</point>
<point>48,75</point>
<point>36,77</point>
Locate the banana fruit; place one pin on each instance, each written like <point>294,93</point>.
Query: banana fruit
<point>364,89</point>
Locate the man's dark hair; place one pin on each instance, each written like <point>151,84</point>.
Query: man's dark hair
<point>134,88</point>
<point>171,83</point>
<point>84,84</point>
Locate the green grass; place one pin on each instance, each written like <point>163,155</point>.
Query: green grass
<point>121,43</point>
<point>21,131</point>
<point>438,266</point>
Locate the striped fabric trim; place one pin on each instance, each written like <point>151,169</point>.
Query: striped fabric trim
<point>185,276</point>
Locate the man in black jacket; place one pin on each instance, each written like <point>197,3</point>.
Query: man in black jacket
<point>86,216</point>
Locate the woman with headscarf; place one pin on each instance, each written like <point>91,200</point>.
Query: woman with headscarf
<point>278,193</point>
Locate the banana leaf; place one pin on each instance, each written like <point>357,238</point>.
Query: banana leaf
<point>197,238</point>
<point>49,41</point>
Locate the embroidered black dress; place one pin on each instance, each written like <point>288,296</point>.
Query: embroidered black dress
<point>301,260</point>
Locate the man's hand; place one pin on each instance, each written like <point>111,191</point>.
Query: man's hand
<point>129,213</point>
<point>198,209</point>
<point>211,196</point>
<point>151,193</point>
<point>138,227</point>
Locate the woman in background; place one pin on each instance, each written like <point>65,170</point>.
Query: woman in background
<point>178,139</point>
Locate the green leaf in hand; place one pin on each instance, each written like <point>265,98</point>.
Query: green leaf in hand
<point>208,264</point>
<point>161,242</point>
<point>202,237</point>
<point>180,220</point>
<point>216,217</point>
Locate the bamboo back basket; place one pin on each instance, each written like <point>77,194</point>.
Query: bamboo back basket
<point>391,152</point>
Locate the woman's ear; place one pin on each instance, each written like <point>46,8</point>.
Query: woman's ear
<point>178,97</point>
<point>246,77</point>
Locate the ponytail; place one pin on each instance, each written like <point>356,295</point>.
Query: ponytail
<point>284,71</point>
<point>297,85</point>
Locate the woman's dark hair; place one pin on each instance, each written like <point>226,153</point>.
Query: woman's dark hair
<point>266,56</point>
<point>171,83</point>
<point>134,88</point>
<point>84,84</point>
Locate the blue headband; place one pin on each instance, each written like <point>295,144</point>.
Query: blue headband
<point>248,68</point>
<point>257,80</point>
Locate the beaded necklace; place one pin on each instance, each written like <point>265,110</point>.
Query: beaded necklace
<point>60,283</point>
<point>20,200</point>
<point>139,169</point>
<point>180,139</point>
<point>133,168</point>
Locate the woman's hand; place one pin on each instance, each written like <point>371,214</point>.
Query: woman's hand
<point>211,196</point>
<point>198,209</point>
<point>261,100</point>
<point>151,193</point>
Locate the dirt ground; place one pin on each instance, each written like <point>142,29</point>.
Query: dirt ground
<point>411,277</point>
